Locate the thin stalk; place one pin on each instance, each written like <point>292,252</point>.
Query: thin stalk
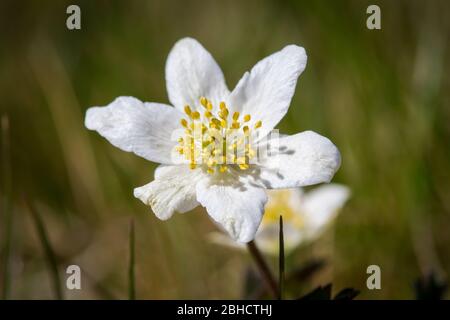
<point>49,253</point>
<point>131,265</point>
<point>6,207</point>
<point>281,262</point>
<point>263,268</point>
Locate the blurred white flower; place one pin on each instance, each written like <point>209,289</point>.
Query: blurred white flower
<point>305,216</point>
<point>219,158</point>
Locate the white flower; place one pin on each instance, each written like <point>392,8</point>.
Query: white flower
<point>305,216</point>
<point>230,185</point>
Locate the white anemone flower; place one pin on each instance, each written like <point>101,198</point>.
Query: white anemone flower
<point>306,215</point>
<point>195,170</point>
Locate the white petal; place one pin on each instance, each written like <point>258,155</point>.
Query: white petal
<point>267,90</point>
<point>142,128</point>
<point>302,159</point>
<point>267,238</point>
<point>191,72</point>
<point>235,205</point>
<point>321,205</point>
<point>282,202</point>
<point>172,190</point>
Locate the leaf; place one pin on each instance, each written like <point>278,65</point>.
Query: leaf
<point>324,293</point>
<point>320,293</point>
<point>305,272</point>
<point>346,294</point>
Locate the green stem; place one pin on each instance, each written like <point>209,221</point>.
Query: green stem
<point>263,268</point>
<point>49,253</point>
<point>281,261</point>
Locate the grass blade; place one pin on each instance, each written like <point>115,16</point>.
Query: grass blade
<point>131,265</point>
<point>49,253</point>
<point>6,206</point>
<point>281,261</point>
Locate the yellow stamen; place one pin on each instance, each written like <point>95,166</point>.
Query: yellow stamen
<point>203,101</point>
<point>196,115</point>
<point>213,140</point>
<point>243,166</point>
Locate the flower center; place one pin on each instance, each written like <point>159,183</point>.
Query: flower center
<point>219,141</point>
<point>279,204</point>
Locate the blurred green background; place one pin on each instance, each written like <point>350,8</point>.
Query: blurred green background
<point>381,95</point>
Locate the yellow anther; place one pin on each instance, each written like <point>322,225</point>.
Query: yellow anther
<point>180,150</point>
<point>235,125</point>
<point>213,139</point>
<point>196,115</point>
<point>203,101</point>
<point>187,110</point>
<point>216,122</point>
<point>223,113</point>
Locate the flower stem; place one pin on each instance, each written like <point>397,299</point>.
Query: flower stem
<point>263,268</point>
<point>281,261</point>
